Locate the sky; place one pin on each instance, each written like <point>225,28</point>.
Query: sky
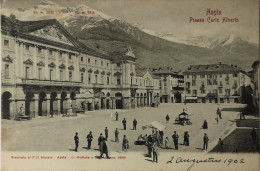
<point>173,16</point>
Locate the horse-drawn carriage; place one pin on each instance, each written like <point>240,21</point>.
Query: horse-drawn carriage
<point>183,119</point>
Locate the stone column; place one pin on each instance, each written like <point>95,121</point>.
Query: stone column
<point>93,104</point>
<point>57,77</point>
<point>48,98</point>
<point>58,103</point>
<point>99,103</point>
<point>46,60</point>
<point>35,62</point>
<point>105,102</point>
<point>36,104</point>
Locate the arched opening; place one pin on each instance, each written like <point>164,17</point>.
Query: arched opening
<point>6,105</point>
<point>29,104</point>
<point>73,101</point>
<point>119,101</point>
<point>103,100</point>
<point>42,104</point>
<point>145,99</point>
<point>53,104</point>
<point>108,101</point>
<point>63,103</point>
<point>141,100</point>
<point>89,106</point>
<point>177,96</point>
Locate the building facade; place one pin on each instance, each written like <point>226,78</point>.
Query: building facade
<point>44,67</point>
<point>255,67</point>
<point>215,83</point>
<point>171,85</point>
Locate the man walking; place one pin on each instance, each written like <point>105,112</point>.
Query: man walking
<point>175,137</point>
<point>76,139</point>
<point>116,116</point>
<point>103,149</point>
<point>106,133</point>
<point>124,123</point>
<point>116,135</point>
<point>205,142</point>
<point>100,139</point>
<point>167,118</point>
<point>220,145</point>
<point>219,113</point>
<point>134,124</point>
<point>89,138</point>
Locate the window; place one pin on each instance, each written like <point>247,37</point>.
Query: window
<point>215,82</point>
<point>188,91</point>
<point>118,64</point>
<point>220,83</point>
<point>51,74</point>
<point>118,80</point>
<point>107,64</point>
<point>194,92</point>
<point>39,73</point>
<point>193,82</point>
<point>81,59</point>
<point>235,75</point>
<point>60,54</point>
<point>89,60</point>
<point>187,76</point>
<point>27,47</point>
<point>82,77</point>
<point>27,72</point>
<point>95,62</point>
<point>89,78</point>
<point>209,82</point>
<point>96,79</point>
<point>202,91</point>
<point>50,52</point>
<point>70,75</point>
<point>61,75</point>
<point>107,80</point>
<point>6,71</point>
<point>6,42</point>
<point>102,63</point>
<point>70,56</point>
<point>220,91</point>
<point>187,84</point>
<point>227,92</point>
<point>102,79</point>
<point>39,50</point>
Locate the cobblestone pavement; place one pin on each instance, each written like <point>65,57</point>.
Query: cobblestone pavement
<point>56,134</point>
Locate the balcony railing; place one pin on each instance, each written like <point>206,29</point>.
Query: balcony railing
<point>50,82</point>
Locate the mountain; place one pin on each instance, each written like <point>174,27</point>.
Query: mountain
<point>107,34</point>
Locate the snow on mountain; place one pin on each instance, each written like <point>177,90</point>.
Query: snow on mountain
<point>69,16</point>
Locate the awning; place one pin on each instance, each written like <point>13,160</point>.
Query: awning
<point>191,98</point>
<point>155,125</point>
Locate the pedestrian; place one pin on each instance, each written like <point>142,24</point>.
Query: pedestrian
<point>161,136</point>
<point>205,125</point>
<point>167,118</point>
<point>166,142</point>
<point>100,139</point>
<point>186,138</point>
<point>155,153</point>
<point>219,113</point>
<point>116,135</point>
<point>116,116</point>
<point>124,123</point>
<point>76,139</point>
<point>134,124</point>
<point>106,133</point>
<point>21,110</point>
<point>220,145</point>
<point>125,144</point>
<point>175,137</point>
<point>145,138</point>
<point>253,134</point>
<point>89,138</point>
<point>103,149</point>
<point>205,142</point>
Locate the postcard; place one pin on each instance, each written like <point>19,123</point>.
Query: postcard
<point>129,85</point>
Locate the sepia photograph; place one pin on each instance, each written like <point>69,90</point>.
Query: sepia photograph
<point>129,85</point>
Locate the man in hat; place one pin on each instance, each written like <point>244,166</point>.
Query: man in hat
<point>76,139</point>
<point>175,137</point>
<point>155,153</point>
<point>103,149</point>
<point>167,118</point>
<point>124,123</point>
<point>106,133</point>
<point>205,142</point>
<point>89,138</point>
<point>100,139</point>
<point>134,124</point>
<point>125,144</point>
<point>116,135</point>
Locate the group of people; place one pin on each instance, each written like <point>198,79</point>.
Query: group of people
<point>134,124</point>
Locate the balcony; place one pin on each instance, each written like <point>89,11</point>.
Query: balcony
<point>50,83</point>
